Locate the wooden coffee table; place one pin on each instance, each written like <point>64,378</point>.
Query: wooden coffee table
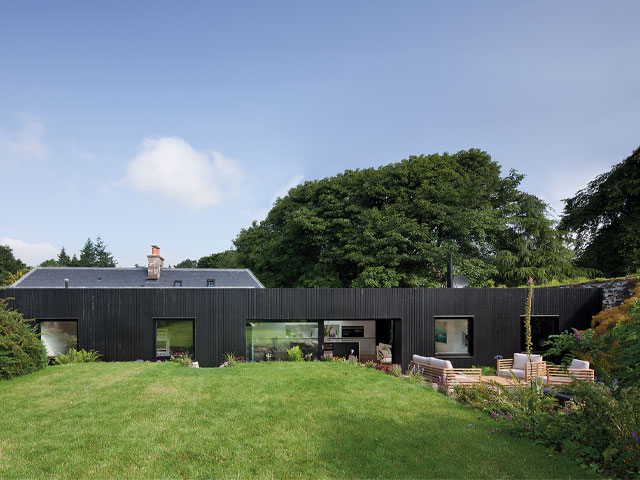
<point>493,379</point>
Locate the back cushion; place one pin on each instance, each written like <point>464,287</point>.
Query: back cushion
<point>519,359</point>
<point>437,362</point>
<point>419,359</point>
<point>581,364</point>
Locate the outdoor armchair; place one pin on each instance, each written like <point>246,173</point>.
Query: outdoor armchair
<point>522,366</point>
<point>578,370</point>
<point>383,353</point>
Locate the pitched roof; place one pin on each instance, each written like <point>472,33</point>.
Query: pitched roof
<point>85,277</point>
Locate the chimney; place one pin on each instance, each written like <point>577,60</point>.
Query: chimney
<point>155,263</point>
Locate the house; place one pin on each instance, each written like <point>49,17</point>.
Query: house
<point>155,312</point>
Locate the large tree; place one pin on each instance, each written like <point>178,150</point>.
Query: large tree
<point>9,265</point>
<point>605,219</point>
<point>395,226</point>
<point>93,254</point>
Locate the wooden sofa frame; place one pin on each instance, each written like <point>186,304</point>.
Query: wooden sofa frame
<point>448,376</point>
<point>563,376</point>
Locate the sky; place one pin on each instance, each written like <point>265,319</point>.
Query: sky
<point>180,123</point>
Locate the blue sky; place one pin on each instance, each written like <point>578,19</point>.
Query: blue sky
<point>178,123</point>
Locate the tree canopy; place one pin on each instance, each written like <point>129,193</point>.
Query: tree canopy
<point>226,259</point>
<point>605,219</point>
<point>93,254</point>
<point>9,265</point>
<point>395,225</point>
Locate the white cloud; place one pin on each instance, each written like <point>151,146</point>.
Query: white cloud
<point>30,253</point>
<point>26,143</point>
<point>171,167</point>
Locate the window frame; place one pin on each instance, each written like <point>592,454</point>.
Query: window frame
<point>211,282</point>
<point>470,335</point>
<point>177,283</point>
<point>155,335</point>
<point>556,328</point>
<point>66,319</point>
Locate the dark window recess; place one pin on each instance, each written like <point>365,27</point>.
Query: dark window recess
<point>541,327</point>
<point>211,283</point>
<point>352,331</point>
<point>177,283</point>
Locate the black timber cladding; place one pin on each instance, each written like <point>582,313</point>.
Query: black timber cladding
<point>118,322</point>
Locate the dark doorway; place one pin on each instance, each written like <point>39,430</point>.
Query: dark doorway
<point>541,327</point>
<point>390,332</point>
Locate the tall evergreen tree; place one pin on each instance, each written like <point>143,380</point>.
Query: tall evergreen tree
<point>63,258</point>
<point>88,254</point>
<point>103,258</point>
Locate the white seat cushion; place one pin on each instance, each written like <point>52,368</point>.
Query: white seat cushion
<point>518,372</point>
<point>519,359</point>
<point>419,359</point>
<point>579,364</point>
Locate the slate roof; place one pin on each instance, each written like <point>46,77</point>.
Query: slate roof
<point>84,277</point>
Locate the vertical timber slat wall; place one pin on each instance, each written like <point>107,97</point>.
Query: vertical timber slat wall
<point>119,323</point>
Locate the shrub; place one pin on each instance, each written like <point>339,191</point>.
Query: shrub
<point>370,364</point>
<point>295,354</point>
<point>308,357</point>
<point>487,371</point>
<point>395,370</point>
<point>182,359</point>
<point>21,351</point>
<point>230,360</point>
<point>598,427</point>
<point>77,356</point>
<point>352,360</point>
<point>415,374</point>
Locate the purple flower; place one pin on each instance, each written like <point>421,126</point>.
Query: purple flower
<point>509,417</point>
<point>634,434</point>
<point>493,415</point>
<point>565,410</point>
<point>497,357</point>
<point>577,335</point>
<point>470,425</point>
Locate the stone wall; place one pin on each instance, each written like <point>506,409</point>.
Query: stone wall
<point>614,292</point>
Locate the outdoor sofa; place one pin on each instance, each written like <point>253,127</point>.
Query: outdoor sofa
<point>441,371</point>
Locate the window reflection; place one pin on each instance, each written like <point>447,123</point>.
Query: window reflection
<point>59,336</point>
<point>273,339</point>
<point>174,336</point>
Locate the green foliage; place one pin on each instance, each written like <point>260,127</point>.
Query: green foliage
<point>9,265</point>
<point>370,364</point>
<point>93,254</point>
<point>50,263</point>
<point>78,356</point>
<point>612,347</point>
<point>21,351</point>
<point>182,359</point>
<point>230,360</point>
<point>596,427</point>
<point>395,370</point>
<point>63,259</point>
<point>226,259</point>
<point>295,354</point>
<point>605,219</point>
<point>187,264</point>
<point>394,227</point>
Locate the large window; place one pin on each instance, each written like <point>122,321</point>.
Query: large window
<point>272,339</point>
<point>452,335</point>
<point>59,336</point>
<point>174,336</point>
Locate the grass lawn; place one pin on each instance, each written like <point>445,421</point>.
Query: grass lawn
<point>282,420</point>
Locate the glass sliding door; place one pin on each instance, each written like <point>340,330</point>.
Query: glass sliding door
<point>174,336</point>
<point>271,340</point>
